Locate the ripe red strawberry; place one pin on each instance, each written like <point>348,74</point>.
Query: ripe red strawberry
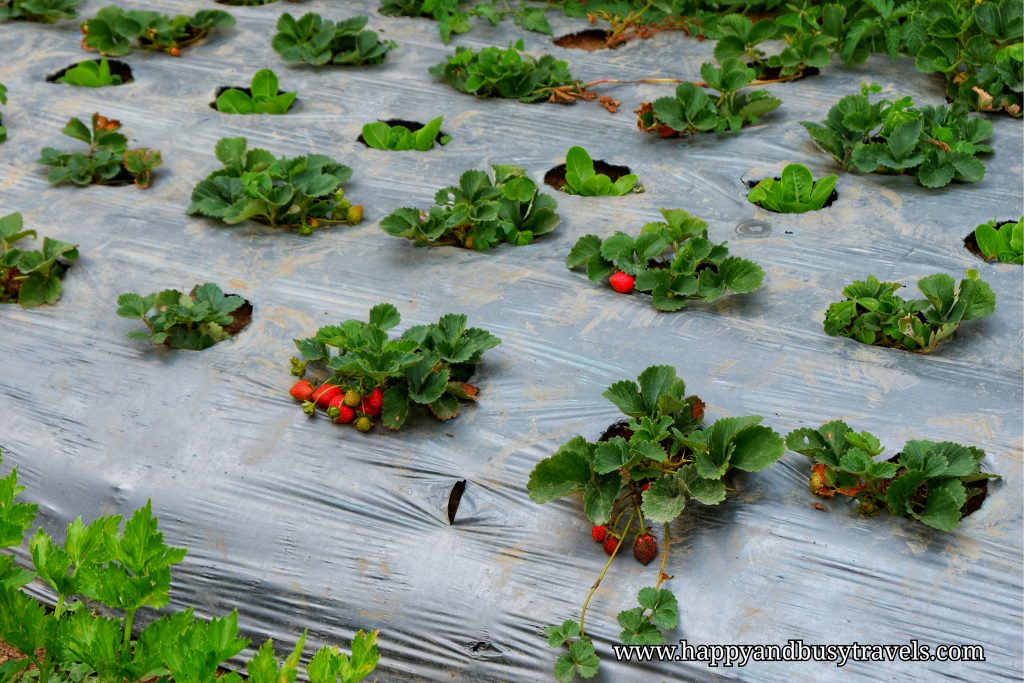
<point>599,532</point>
<point>345,414</point>
<point>644,548</point>
<point>373,402</point>
<point>611,542</point>
<point>324,393</point>
<point>645,486</point>
<point>301,390</point>
<point>621,282</point>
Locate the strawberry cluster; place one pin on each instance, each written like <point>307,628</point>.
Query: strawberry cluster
<point>344,405</point>
<point>645,548</point>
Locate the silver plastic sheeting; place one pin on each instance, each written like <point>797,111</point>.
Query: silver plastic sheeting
<point>298,522</point>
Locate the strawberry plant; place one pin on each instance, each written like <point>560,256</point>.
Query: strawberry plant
<point>1001,241</point>
<point>645,470</point>
<point>193,321</point>
<point>3,100</point>
<point>796,191</point>
<point>936,483</point>
<point>107,161</point>
<point>803,52</point>
<point>318,41</point>
<point>581,179</point>
<point>397,138</point>
<point>91,74</point>
<point>297,192</point>
<point>508,73</point>
<point>371,375</point>
<point>263,97</point>
<point>937,144</point>
<point>873,314</point>
<point>114,30</point>
<point>43,11</point>
<point>694,111</point>
<point>32,278</point>
<point>479,213</point>
<point>456,16</point>
<point>673,260</point>
<point>103,576</point>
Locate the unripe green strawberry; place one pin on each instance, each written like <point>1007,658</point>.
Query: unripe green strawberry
<point>364,424</point>
<point>354,214</point>
<point>353,398</point>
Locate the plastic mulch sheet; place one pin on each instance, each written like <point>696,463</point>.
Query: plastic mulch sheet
<point>298,522</point>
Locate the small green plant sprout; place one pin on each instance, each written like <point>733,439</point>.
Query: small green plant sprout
<point>456,16</point>
<point>107,161</point>
<point>1002,242</point>
<point>263,97</point>
<point>796,191</point>
<point>371,375</point>
<point>318,41</point>
<point>508,73</point>
<point>193,321</point>
<point>91,74</point>
<point>937,144</point>
<point>673,261</point>
<point>300,193</point>
<point>114,31</point>
<point>873,314</point>
<point>479,213</point>
<point>581,178</point>
<point>32,278</point>
<point>644,471</point>
<point>398,138</point>
<point>105,576</point>
<point>43,11</point>
<point>692,110</point>
<point>936,483</point>
<point>3,100</point>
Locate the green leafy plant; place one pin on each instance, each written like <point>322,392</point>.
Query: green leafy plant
<point>429,366</point>
<point>506,73</point>
<point>479,213</point>
<point>193,321</point>
<point>297,192</point>
<point>114,30</point>
<point>104,575</point>
<point>873,314</point>
<point>43,11</point>
<point>398,138</point>
<point>456,16</point>
<point>263,97</point>
<point>32,278</point>
<point>581,179</point>
<point>3,100</point>
<point>694,111</point>
<point>91,74</point>
<point>805,48</point>
<point>318,41</point>
<point>1001,241</point>
<point>107,161</point>
<point>930,481</point>
<point>796,191</point>
<point>937,144</point>
<point>673,260</point>
<point>647,469</point>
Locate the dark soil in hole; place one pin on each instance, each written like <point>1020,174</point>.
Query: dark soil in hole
<point>117,68</point>
<point>123,177</point>
<point>462,372</point>
<point>828,202</point>
<point>243,3</point>
<point>241,316</point>
<point>454,498</point>
<point>556,176</point>
<point>248,91</point>
<point>589,40</point>
<point>971,244</point>
<point>775,73</point>
<point>413,126</point>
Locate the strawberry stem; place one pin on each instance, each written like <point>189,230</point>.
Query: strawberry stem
<point>593,589</point>
<point>664,559</point>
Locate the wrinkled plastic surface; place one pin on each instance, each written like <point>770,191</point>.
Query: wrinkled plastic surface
<point>298,522</point>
